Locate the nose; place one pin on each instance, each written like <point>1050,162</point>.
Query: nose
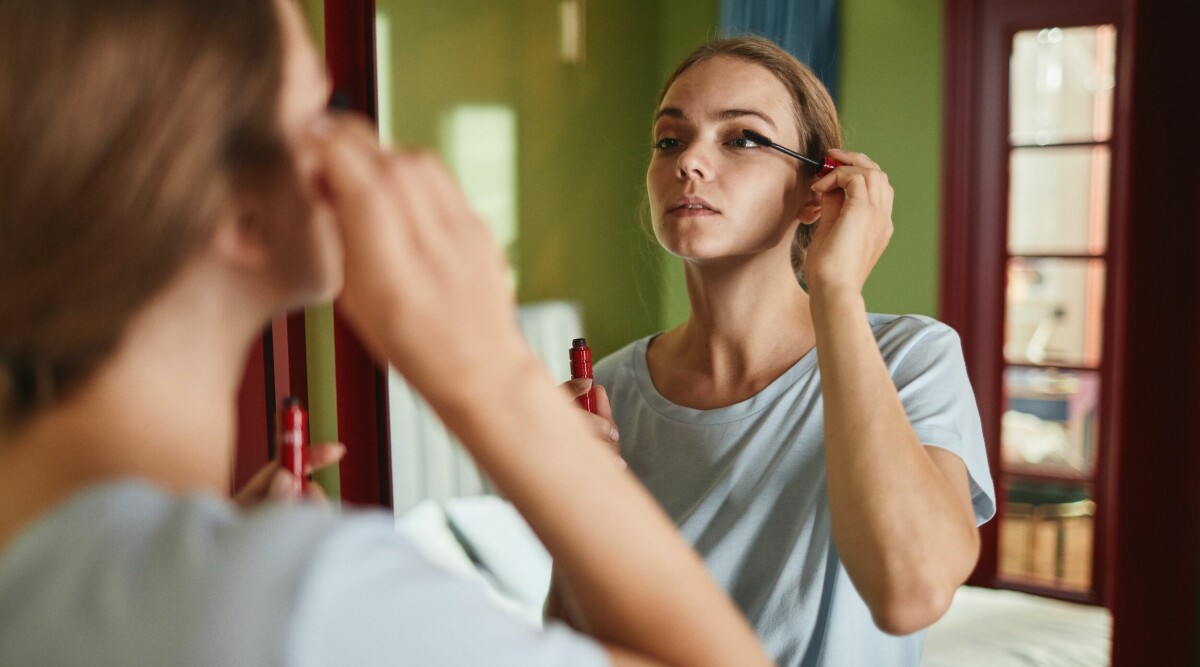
<point>693,164</point>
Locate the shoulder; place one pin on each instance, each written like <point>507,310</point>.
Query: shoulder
<point>180,569</point>
<point>623,362</point>
<point>901,334</point>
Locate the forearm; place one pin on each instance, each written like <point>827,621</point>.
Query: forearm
<point>899,525</point>
<point>634,581</point>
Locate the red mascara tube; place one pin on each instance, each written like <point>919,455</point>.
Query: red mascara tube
<point>293,442</point>
<point>581,367</point>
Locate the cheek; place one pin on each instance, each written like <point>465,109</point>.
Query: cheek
<point>658,178</point>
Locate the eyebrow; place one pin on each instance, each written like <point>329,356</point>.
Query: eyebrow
<point>727,114</point>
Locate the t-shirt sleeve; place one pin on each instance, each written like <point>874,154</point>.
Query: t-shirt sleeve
<point>369,598</point>
<point>931,379</point>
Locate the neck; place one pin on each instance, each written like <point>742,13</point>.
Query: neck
<point>747,314</point>
<point>161,408</point>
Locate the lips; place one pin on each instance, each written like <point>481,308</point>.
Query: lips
<point>691,205</point>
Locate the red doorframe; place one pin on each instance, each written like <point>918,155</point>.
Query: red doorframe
<point>362,398</point>
<point>275,368</point>
<point>1151,408</point>
<point>277,364</point>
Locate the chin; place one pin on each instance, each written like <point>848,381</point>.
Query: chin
<point>688,241</point>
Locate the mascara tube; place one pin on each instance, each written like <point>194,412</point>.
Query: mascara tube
<point>293,442</point>
<point>581,367</point>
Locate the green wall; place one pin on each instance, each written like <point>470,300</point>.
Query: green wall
<point>891,106</point>
<point>582,139</point>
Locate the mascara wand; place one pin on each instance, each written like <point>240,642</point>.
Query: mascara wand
<point>828,165</point>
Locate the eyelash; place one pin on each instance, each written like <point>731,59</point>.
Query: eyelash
<point>661,144</point>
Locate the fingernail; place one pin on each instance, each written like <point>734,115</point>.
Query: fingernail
<point>614,435</point>
<point>281,486</point>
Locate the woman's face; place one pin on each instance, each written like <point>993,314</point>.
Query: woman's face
<point>713,193</point>
<point>302,235</point>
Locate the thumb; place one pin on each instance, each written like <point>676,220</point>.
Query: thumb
<point>577,387</point>
<point>281,486</point>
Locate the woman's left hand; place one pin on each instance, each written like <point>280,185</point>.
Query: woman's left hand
<point>855,225</point>
<point>274,484</point>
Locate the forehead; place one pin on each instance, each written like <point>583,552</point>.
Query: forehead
<point>722,83</point>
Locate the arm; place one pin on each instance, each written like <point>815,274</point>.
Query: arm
<point>560,605</point>
<point>901,511</point>
<point>426,288</point>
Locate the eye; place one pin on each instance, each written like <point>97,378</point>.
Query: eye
<point>667,143</point>
<point>742,142</point>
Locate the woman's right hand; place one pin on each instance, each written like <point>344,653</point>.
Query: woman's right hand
<point>426,285</point>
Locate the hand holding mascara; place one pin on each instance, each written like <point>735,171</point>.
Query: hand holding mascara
<point>824,166</point>
<point>581,367</point>
<point>293,442</point>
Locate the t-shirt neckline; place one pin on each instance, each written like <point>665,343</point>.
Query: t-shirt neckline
<point>740,410</point>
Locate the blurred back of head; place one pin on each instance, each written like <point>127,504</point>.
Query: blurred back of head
<point>127,128</point>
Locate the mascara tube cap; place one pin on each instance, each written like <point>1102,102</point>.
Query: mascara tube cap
<point>829,165</point>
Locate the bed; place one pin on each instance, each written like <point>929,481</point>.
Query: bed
<point>484,538</point>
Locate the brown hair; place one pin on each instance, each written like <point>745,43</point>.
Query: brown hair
<point>815,116</point>
<point>126,128</point>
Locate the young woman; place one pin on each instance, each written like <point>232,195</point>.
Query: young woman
<point>169,180</point>
<point>827,463</point>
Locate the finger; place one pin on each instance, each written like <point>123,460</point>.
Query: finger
<point>258,486</point>
<point>576,387</point>
<point>282,484</point>
<point>603,406</point>
<point>415,194</point>
<point>850,179</point>
<point>604,428</point>
<point>315,494</point>
<point>852,158</point>
<point>454,203</point>
<point>355,169</point>
<point>323,455</point>
<point>342,132</point>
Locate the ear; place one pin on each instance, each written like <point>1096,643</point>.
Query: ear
<point>810,208</point>
<point>240,240</point>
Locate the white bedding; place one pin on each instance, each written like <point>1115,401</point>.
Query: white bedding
<point>991,628</point>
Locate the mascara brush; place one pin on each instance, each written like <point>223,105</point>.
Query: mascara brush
<point>828,165</point>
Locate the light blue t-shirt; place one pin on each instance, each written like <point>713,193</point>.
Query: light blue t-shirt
<point>746,485</point>
<point>125,574</point>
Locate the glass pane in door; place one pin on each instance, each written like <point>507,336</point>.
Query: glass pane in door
<point>1054,312</point>
<point>1058,200</point>
<point>1046,534</point>
<point>1061,83</point>
<point>1049,422</point>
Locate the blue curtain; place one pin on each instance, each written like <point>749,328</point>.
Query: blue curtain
<point>808,29</point>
